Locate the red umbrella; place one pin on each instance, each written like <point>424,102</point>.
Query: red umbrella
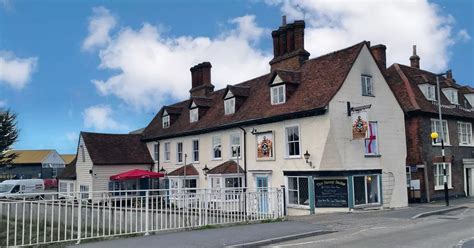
<point>136,174</point>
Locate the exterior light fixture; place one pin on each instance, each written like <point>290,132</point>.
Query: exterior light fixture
<point>306,157</point>
<point>205,170</point>
<point>162,170</point>
<point>434,136</point>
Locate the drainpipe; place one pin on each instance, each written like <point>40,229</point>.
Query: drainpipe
<point>245,155</point>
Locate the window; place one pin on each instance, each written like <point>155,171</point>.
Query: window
<point>366,190</point>
<point>54,172</point>
<point>278,94</point>
<point>408,174</point>
<point>193,115</point>
<point>293,141</point>
<point>451,94</point>
<point>179,152</point>
<point>465,133</point>
<point>235,145</point>
<point>435,127</point>
<point>215,182</point>
<point>367,86</point>
<point>298,191</point>
<point>84,189</point>
<point>191,185</point>
<point>229,106</point>
<point>371,141</point>
<point>167,152</point>
<point>439,175</point>
<point>156,152</point>
<point>430,93</point>
<point>233,182</point>
<point>196,151</point>
<point>62,187</point>
<point>216,147</point>
<point>166,121</point>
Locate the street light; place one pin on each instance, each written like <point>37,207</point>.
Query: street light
<point>306,157</point>
<point>434,136</point>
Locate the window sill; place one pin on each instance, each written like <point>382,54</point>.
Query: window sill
<point>169,161</point>
<point>442,188</point>
<point>368,95</point>
<point>466,145</point>
<point>439,144</point>
<point>297,206</point>
<point>372,155</point>
<point>293,157</point>
<point>368,205</point>
<point>216,159</point>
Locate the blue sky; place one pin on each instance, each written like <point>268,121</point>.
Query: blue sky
<point>108,66</point>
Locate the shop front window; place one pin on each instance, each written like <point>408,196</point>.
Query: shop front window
<point>298,191</point>
<point>366,190</point>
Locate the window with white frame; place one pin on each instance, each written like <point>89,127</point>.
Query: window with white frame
<point>371,140</point>
<point>278,94</point>
<point>435,127</point>
<point>84,189</point>
<point>465,133</point>
<point>233,182</point>
<point>167,152</point>
<point>62,187</point>
<point>298,191</point>
<point>179,152</point>
<point>193,115</point>
<point>451,94</point>
<point>367,85</point>
<point>293,141</point>
<point>229,106</point>
<point>438,172</point>
<point>430,92</point>
<point>366,190</point>
<point>215,182</point>
<point>216,147</point>
<point>156,153</point>
<point>166,121</point>
<point>235,145</point>
<point>195,150</point>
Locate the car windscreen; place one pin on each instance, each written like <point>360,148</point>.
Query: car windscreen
<point>5,188</point>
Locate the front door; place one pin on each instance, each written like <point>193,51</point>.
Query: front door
<point>262,187</point>
<point>469,182</point>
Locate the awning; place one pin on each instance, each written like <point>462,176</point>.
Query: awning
<point>136,174</point>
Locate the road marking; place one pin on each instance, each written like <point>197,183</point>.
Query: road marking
<point>304,243</point>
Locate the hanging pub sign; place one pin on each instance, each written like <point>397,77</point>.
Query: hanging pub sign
<point>265,149</point>
<point>359,122</point>
<point>331,193</point>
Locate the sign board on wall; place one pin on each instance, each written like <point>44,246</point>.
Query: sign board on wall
<point>331,193</point>
<point>265,149</point>
<point>359,124</point>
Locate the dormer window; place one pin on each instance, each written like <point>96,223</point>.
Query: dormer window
<point>166,121</point>
<point>451,94</point>
<point>278,94</point>
<point>429,91</point>
<point>229,106</point>
<point>193,115</point>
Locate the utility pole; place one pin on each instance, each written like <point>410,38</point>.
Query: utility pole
<point>445,177</point>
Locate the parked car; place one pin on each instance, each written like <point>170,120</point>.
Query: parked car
<point>15,188</point>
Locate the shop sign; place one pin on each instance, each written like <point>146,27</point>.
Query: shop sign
<point>331,193</point>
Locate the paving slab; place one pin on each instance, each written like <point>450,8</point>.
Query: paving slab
<point>218,237</point>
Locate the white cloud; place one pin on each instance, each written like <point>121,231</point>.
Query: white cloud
<point>100,25</point>
<point>100,118</point>
<point>152,67</point>
<point>463,35</point>
<point>332,25</point>
<point>16,72</point>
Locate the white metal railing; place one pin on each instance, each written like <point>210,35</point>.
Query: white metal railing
<point>33,219</point>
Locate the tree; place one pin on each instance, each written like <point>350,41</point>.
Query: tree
<point>8,136</point>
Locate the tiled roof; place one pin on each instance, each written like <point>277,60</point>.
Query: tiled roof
<point>116,149</point>
<point>68,158</point>
<point>228,167</point>
<point>69,173</point>
<point>190,171</point>
<point>320,78</point>
<point>404,81</point>
<point>30,156</point>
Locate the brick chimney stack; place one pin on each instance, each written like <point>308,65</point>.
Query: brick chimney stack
<point>288,46</point>
<point>449,74</point>
<point>380,55</point>
<point>201,79</point>
<point>415,59</point>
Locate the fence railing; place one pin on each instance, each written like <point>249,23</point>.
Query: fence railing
<point>33,219</point>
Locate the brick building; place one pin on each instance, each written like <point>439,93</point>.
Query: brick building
<point>416,92</point>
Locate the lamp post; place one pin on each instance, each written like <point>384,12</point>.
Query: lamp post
<point>434,136</point>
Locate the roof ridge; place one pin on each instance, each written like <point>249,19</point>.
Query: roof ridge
<point>337,51</point>
<point>406,81</point>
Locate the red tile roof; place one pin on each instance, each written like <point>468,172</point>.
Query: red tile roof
<point>320,78</point>
<point>228,167</point>
<point>116,149</point>
<point>404,81</point>
<point>190,171</point>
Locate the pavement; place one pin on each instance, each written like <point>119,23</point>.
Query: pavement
<point>443,226</point>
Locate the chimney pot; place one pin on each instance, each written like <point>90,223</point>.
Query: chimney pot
<point>283,20</point>
<point>449,74</point>
<point>415,59</point>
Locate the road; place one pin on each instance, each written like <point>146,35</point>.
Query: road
<point>379,229</point>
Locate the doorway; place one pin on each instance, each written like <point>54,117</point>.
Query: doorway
<point>262,188</point>
<point>469,184</point>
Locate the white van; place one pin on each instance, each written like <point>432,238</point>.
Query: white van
<point>14,188</point>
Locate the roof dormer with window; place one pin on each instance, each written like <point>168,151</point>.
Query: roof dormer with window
<point>169,115</point>
<point>282,85</point>
<point>234,97</point>
<point>451,94</point>
<point>165,119</point>
<point>198,108</point>
<point>429,91</point>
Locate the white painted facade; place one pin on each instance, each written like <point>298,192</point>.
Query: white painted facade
<point>328,138</point>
